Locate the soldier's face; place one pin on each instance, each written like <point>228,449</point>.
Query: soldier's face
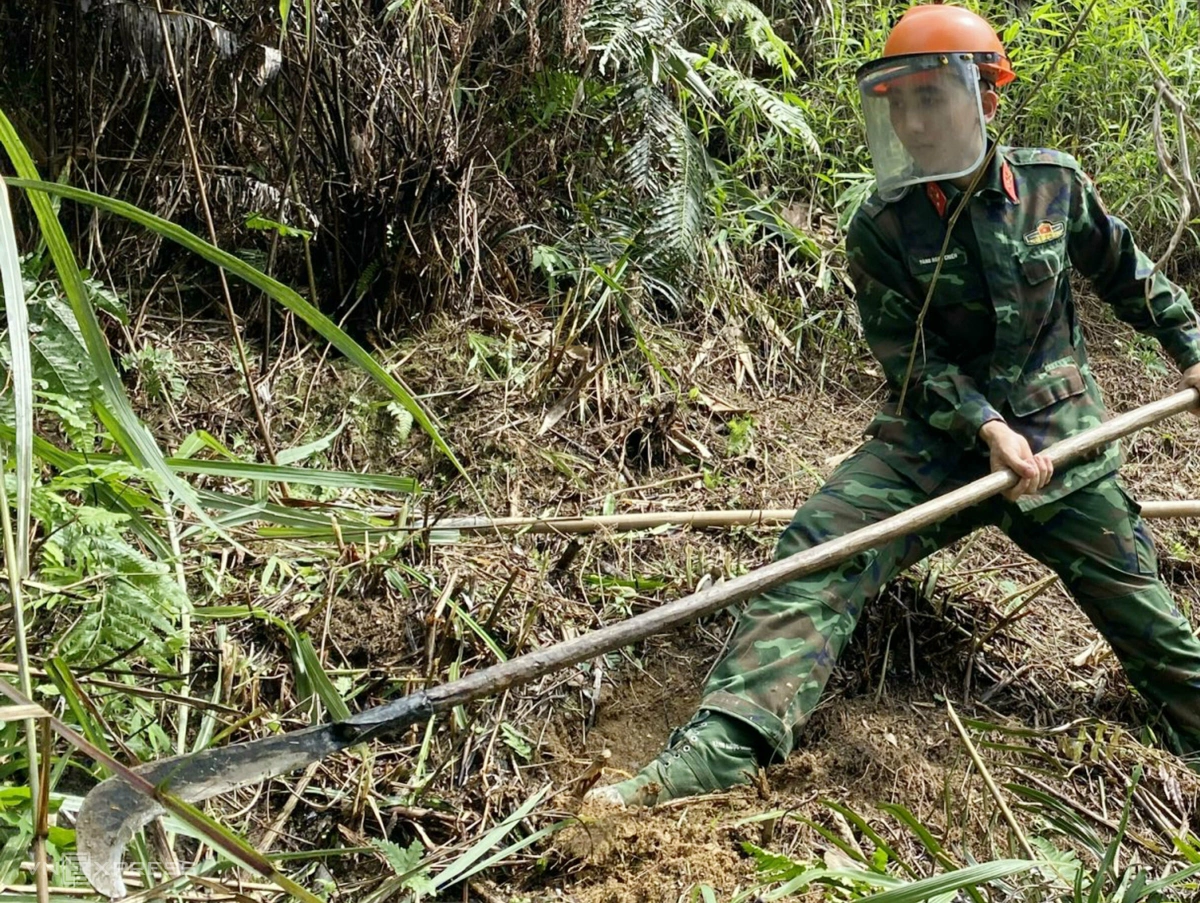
<point>937,121</point>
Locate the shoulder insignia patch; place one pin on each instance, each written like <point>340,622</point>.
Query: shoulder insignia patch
<point>1046,231</point>
<point>1034,156</point>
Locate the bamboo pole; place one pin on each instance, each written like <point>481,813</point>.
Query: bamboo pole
<point>705,518</point>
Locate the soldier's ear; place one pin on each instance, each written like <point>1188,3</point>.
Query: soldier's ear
<point>989,100</point>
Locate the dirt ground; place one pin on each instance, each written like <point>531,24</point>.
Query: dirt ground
<point>1051,707</point>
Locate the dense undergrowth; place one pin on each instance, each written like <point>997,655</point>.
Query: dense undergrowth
<point>612,201</point>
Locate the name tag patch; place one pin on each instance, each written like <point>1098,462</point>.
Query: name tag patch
<point>1046,231</point>
<point>951,257</point>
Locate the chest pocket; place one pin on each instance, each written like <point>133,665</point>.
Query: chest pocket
<point>1040,267</point>
<point>959,310</point>
<point>958,283</point>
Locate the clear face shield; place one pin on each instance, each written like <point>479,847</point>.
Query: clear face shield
<point>924,118</point>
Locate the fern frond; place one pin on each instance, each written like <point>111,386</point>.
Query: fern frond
<point>767,45</point>
<point>782,110</point>
<point>130,602</point>
<point>679,210</point>
<point>629,33</point>
<point>638,165</point>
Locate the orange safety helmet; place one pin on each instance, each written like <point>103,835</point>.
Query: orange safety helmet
<point>939,28</point>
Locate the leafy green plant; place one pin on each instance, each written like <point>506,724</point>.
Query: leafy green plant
<point>409,866</point>
<point>741,435</point>
<point>115,602</point>
<point>158,370</point>
<point>105,585</point>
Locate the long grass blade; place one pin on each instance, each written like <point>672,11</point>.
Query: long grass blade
<point>312,672</point>
<point>462,865</point>
<point>1110,854</point>
<point>280,473</point>
<point>945,883</point>
<point>1157,887</point>
<point>17,315</point>
<point>16,547</point>
<point>272,287</point>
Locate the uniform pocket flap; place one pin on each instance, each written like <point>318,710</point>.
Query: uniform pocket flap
<point>1054,383</point>
<point>1040,265</point>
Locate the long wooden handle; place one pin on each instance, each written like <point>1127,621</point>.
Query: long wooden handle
<point>532,665</point>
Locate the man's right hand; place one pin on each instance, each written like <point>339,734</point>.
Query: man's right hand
<point>1010,451</point>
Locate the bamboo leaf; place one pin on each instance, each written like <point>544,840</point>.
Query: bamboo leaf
<point>272,473</point>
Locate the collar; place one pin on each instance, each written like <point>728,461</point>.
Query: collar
<point>997,182</point>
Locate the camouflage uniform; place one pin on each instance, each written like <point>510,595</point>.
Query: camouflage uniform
<point>1001,341</point>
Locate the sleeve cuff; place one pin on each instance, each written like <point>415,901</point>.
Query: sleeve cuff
<point>1183,347</point>
<point>985,413</point>
<point>964,422</point>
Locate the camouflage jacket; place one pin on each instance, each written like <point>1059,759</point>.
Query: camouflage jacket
<point>1001,339</point>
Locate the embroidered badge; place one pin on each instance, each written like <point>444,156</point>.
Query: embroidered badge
<point>1045,231</point>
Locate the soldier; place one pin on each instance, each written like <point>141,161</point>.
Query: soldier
<point>999,372</point>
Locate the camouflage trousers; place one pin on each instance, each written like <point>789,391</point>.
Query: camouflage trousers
<point>788,639</point>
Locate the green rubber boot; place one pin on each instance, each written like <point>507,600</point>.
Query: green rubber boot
<point>711,752</point>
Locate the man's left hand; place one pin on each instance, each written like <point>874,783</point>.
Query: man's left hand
<point>1191,378</point>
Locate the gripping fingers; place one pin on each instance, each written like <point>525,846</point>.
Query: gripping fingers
<point>1035,473</point>
<point>1029,478</point>
<point>1045,470</point>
